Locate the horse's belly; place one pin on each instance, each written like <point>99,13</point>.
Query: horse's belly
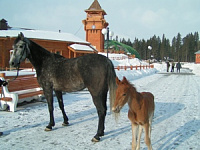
<point>69,87</point>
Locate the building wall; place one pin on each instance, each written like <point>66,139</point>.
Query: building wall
<point>94,37</point>
<point>5,47</point>
<point>197,58</point>
<point>94,23</point>
<point>59,47</point>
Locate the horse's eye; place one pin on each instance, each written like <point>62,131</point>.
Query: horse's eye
<point>124,94</point>
<point>21,46</point>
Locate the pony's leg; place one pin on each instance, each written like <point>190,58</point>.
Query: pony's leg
<point>147,136</point>
<point>48,92</point>
<point>134,135</point>
<point>139,137</point>
<point>61,105</point>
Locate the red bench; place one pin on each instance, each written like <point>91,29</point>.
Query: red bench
<point>19,90</point>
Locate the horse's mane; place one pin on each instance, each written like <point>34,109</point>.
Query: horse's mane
<point>16,40</point>
<point>131,85</point>
<point>137,94</point>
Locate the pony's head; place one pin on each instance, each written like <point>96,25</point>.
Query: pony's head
<point>21,50</point>
<point>122,94</point>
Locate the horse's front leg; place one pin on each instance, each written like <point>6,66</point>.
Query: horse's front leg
<point>134,136</point>
<point>48,93</point>
<point>61,105</point>
<point>139,136</point>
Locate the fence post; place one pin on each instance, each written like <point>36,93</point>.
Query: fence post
<point>117,67</point>
<point>3,75</point>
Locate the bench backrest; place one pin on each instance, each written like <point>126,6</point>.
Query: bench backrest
<point>23,84</point>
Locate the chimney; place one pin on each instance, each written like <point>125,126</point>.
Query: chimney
<point>3,24</point>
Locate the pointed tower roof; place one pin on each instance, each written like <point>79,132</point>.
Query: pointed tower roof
<point>95,7</point>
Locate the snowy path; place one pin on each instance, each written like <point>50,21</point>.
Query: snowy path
<point>176,122</point>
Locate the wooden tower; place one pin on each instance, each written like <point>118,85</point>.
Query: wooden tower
<point>93,25</point>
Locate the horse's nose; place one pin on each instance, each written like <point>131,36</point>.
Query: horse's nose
<point>113,109</point>
<point>116,109</point>
<point>11,63</point>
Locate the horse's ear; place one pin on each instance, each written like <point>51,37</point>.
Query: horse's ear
<point>125,80</point>
<point>21,36</point>
<point>117,80</point>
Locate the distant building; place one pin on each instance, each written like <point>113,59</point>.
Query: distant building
<point>197,60</point>
<point>65,44</point>
<point>4,25</point>
<point>93,25</point>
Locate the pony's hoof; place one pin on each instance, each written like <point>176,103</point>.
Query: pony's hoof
<point>65,124</point>
<point>95,139</point>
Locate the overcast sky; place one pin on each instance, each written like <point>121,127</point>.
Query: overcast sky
<point>126,18</point>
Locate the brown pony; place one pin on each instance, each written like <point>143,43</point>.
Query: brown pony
<point>141,110</point>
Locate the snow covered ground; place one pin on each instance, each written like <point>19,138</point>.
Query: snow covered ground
<point>176,123</point>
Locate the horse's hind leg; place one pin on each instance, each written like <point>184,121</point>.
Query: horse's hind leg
<point>61,105</point>
<point>48,92</point>
<point>150,124</point>
<point>147,136</point>
<point>100,103</point>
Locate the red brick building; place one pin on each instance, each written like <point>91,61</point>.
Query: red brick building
<point>64,44</point>
<point>93,25</point>
<point>197,60</point>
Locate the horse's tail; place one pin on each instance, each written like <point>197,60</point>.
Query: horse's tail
<point>112,84</point>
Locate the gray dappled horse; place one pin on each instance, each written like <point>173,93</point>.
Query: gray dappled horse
<point>56,73</point>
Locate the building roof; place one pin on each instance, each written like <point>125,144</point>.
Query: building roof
<point>78,47</point>
<point>198,52</point>
<point>95,7</point>
<point>45,35</point>
<point>77,43</point>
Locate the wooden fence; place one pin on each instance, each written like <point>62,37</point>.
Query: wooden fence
<point>28,69</point>
<point>134,67</point>
<point>116,67</point>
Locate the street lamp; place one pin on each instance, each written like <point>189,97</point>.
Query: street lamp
<point>105,31</point>
<point>150,48</point>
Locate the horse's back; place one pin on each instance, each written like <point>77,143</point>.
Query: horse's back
<point>149,100</point>
<point>94,68</point>
<point>74,74</point>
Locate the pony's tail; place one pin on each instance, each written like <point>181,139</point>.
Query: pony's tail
<point>112,84</point>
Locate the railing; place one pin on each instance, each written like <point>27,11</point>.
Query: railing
<point>118,58</point>
<point>10,69</point>
<point>116,67</point>
<point>132,67</point>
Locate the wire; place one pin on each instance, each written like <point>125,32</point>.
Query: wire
<point>78,29</point>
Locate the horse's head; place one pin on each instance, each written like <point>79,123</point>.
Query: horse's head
<point>21,50</point>
<point>122,94</point>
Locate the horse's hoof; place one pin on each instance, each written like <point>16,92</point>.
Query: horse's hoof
<point>95,139</point>
<point>102,134</point>
<point>47,129</point>
<point>65,124</point>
